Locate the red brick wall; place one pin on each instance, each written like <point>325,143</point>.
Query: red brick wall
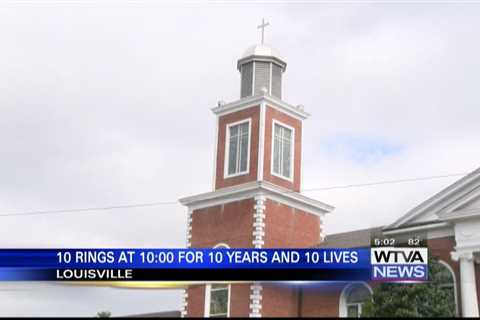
<point>279,301</point>
<point>321,300</point>
<point>240,300</point>
<point>270,115</point>
<point>231,224</point>
<point>290,228</point>
<point>254,113</point>
<point>196,301</point>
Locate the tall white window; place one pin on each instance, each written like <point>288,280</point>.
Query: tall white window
<point>282,153</point>
<point>237,148</point>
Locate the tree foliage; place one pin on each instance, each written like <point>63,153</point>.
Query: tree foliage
<point>430,299</point>
<point>104,314</point>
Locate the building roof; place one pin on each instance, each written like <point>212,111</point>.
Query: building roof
<point>260,50</point>
<point>351,239</point>
<point>432,208</point>
<point>162,314</point>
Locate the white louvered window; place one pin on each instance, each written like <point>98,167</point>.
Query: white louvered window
<point>238,148</point>
<point>283,140</point>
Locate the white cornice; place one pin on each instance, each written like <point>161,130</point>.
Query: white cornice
<point>271,101</point>
<point>460,214</point>
<point>408,229</point>
<point>441,200</point>
<point>251,189</point>
<point>462,203</point>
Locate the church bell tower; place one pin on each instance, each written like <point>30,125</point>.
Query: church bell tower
<point>256,200</point>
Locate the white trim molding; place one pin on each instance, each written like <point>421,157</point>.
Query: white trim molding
<point>215,153</point>
<point>258,241</point>
<point>261,141</point>
<point>188,245</point>
<point>184,311</point>
<point>227,148</point>
<point>258,234</point>
<point>270,84</point>
<point>271,101</point>
<point>323,235</point>
<point>189,228</point>
<point>249,190</point>
<point>256,300</point>
<point>253,78</point>
<point>464,214</point>
<point>292,151</point>
<point>408,229</point>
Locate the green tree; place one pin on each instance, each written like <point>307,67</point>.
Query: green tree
<point>104,314</point>
<point>434,298</point>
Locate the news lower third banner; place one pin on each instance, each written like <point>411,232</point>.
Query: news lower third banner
<point>204,265</point>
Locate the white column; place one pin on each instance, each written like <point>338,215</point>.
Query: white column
<point>468,286</point>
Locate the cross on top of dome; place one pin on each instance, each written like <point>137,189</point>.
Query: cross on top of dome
<point>262,26</point>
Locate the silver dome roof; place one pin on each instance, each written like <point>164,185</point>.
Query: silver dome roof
<point>261,50</point>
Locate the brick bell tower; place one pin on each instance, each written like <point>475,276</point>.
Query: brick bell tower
<point>255,202</point>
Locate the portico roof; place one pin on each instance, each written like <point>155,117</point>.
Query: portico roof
<point>457,200</point>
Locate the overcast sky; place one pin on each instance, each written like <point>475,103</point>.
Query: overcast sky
<point>108,103</point>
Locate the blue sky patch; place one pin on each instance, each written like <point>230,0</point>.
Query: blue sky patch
<point>359,148</point>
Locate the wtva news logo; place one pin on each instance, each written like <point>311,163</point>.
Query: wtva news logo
<point>399,264</point>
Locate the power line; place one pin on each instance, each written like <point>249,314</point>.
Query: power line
<point>387,182</point>
<point>161,203</point>
<point>83,210</point>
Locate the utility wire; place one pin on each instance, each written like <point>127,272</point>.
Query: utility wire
<point>387,182</point>
<point>155,204</point>
<point>83,210</point>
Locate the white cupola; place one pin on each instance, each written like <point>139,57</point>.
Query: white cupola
<point>261,70</point>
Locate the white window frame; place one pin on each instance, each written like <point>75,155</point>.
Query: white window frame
<point>343,307</point>
<point>227,148</point>
<point>455,294</point>
<point>292,151</point>
<point>208,294</point>
<point>208,291</point>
